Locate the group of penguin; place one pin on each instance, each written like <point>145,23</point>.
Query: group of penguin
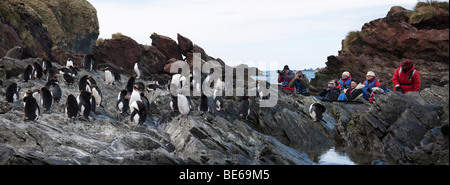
<point>181,102</point>
<point>51,92</point>
<point>131,99</point>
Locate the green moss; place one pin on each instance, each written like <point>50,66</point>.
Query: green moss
<point>350,39</point>
<point>424,14</point>
<point>117,35</point>
<point>437,4</point>
<point>426,10</point>
<point>99,41</point>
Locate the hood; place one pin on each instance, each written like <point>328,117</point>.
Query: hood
<point>360,86</point>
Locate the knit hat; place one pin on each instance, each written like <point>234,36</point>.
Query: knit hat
<point>356,80</point>
<point>286,67</point>
<point>346,73</point>
<point>371,73</point>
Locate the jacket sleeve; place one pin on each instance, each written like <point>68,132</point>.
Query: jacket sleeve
<point>396,79</point>
<point>305,82</point>
<point>289,77</point>
<point>280,79</point>
<point>377,83</point>
<point>354,95</point>
<point>292,83</point>
<point>417,82</point>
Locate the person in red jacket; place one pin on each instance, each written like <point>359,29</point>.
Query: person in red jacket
<point>406,78</point>
<point>284,78</point>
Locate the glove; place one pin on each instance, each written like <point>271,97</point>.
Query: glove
<point>399,89</point>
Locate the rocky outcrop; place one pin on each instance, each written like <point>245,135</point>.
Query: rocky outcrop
<point>185,44</point>
<point>73,25</point>
<point>404,129</point>
<point>383,44</point>
<point>123,52</point>
<point>166,45</point>
<point>40,27</point>
<point>210,138</point>
<point>24,28</point>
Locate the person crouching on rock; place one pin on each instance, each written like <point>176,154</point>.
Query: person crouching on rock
<point>286,76</point>
<point>356,92</point>
<point>406,78</point>
<point>330,92</point>
<point>300,84</point>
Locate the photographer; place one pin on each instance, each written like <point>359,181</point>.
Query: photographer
<point>300,84</point>
<point>286,76</point>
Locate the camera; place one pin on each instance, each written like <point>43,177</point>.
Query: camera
<point>280,72</point>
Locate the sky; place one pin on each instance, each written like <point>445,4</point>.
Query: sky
<point>267,34</point>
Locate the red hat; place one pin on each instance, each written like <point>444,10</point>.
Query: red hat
<point>407,63</point>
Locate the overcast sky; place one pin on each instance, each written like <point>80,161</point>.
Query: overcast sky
<point>299,33</point>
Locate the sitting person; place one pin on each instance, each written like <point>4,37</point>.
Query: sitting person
<point>371,80</point>
<point>284,78</point>
<point>356,92</point>
<point>300,84</point>
<point>345,81</point>
<point>330,92</point>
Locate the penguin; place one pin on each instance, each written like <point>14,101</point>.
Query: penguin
<point>174,85</point>
<point>316,111</point>
<point>46,64</point>
<point>91,81</point>
<point>244,108</point>
<point>28,73</point>
<point>37,71</point>
<point>68,79</point>
<point>218,101</point>
<point>203,106</point>
<point>73,71</point>
<point>174,104</point>
<point>65,70</point>
<point>219,87</point>
<point>83,84</point>
<point>94,65</point>
<point>84,104</point>
<point>46,99</point>
<point>123,102</point>
<point>38,96</point>
<point>109,77</point>
<point>93,103</point>
<point>184,103</point>
<point>263,92</point>
<point>71,107</point>
<point>130,83</point>
<point>12,93</point>
<point>69,63</point>
<point>135,96</point>
<point>152,87</point>
<point>54,88</point>
<point>146,102</point>
<point>50,73</point>
<point>137,70</point>
<point>138,112</point>
<point>141,86</point>
<point>87,62</point>
<point>31,109</point>
<point>97,93</point>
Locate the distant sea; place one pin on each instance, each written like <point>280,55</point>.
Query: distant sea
<point>272,76</point>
